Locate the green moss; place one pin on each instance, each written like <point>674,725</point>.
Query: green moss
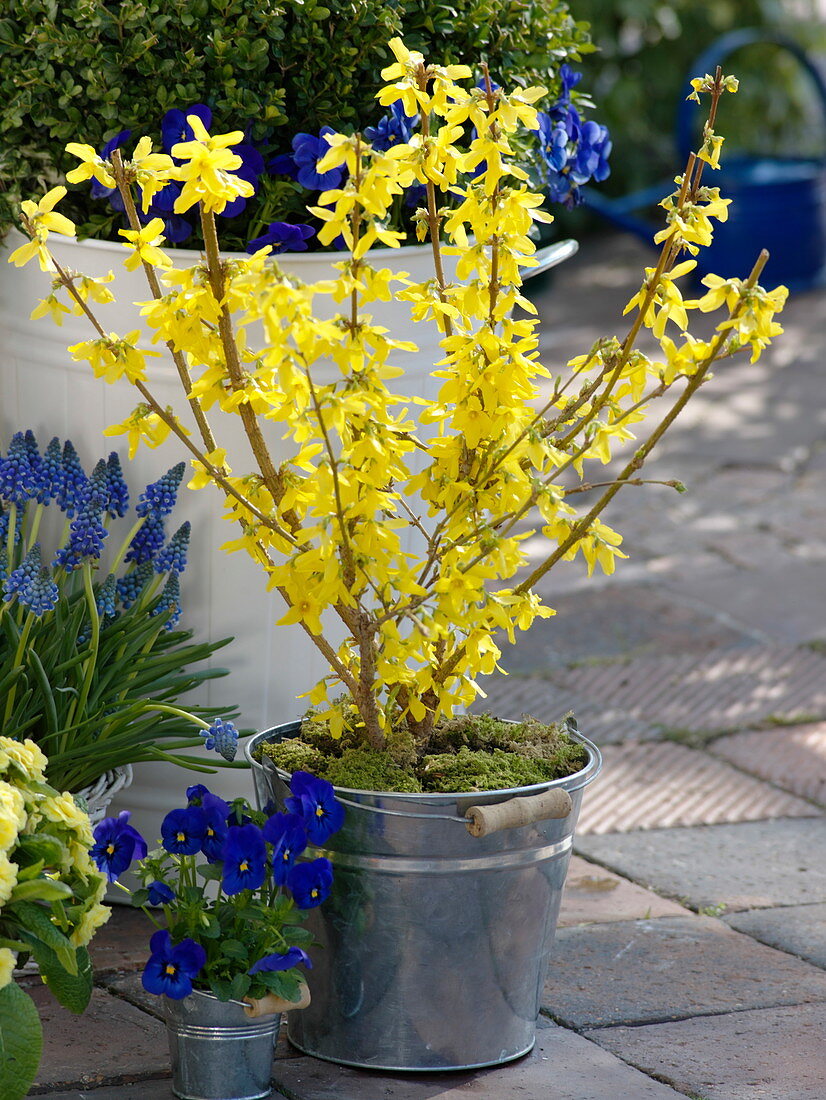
<point>367,770</point>
<point>293,755</point>
<point>474,752</point>
<point>479,770</point>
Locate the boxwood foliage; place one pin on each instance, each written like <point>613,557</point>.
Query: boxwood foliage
<point>85,69</point>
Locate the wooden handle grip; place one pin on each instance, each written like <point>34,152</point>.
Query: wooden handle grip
<point>270,1005</point>
<point>483,820</point>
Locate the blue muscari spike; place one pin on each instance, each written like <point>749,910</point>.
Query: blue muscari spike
<point>27,572</point>
<point>51,472</point>
<point>73,482</point>
<point>4,564</point>
<point>159,496</point>
<point>170,601</point>
<point>223,737</point>
<point>86,532</point>
<point>118,504</point>
<point>105,599</point>
<point>41,595</point>
<point>4,524</point>
<point>173,556</point>
<point>130,586</point>
<point>18,481</point>
<point>148,540</point>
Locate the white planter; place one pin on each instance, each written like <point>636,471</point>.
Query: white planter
<point>43,389</point>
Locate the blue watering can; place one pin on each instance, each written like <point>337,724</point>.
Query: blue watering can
<point>779,203</point>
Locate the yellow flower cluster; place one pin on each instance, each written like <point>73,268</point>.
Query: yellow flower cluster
<point>44,854</point>
<point>406,516</point>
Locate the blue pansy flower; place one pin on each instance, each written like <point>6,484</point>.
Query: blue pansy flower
<point>160,893</point>
<point>215,831</point>
<point>396,128</point>
<point>314,801</point>
<point>283,165</point>
<point>117,843</point>
<point>288,837</point>
<point>172,967</point>
<point>223,737</point>
<point>310,883</point>
<point>284,961</point>
<point>283,237</point>
<point>99,190</point>
<point>251,167</point>
<point>182,831</point>
<point>307,152</point>
<point>175,128</point>
<point>245,859</point>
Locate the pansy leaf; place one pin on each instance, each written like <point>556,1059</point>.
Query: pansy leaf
<point>211,930</point>
<point>210,872</point>
<point>295,933</point>
<point>21,1041</point>
<point>280,983</point>
<point>233,949</point>
<point>239,986</point>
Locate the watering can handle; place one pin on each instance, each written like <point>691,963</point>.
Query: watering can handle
<point>716,53</point>
<point>483,820</point>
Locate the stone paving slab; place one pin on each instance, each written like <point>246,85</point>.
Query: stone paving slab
<point>562,1066</point>
<point>749,865</point>
<point>793,757</point>
<point>777,1054</point>
<point>111,1041</point>
<point>798,929</point>
<point>626,620</point>
<point>143,1090</point>
<point>594,895</point>
<point>724,690</point>
<point>123,942</point>
<point>662,785</point>
<point>637,972</point>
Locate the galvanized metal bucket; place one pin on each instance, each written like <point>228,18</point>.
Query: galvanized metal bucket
<point>217,1051</point>
<point>434,943</point>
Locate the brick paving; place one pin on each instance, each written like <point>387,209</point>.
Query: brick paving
<point>690,957</point>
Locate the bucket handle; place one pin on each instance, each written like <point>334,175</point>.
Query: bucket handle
<point>484,820</point>
<point>717,52</point>
<point>550,256</point>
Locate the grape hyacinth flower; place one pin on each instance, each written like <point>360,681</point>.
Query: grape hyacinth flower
<point>171,967</point>
<point>130,586</point>
<point>73,483</point>
<point>172,558</point>
<point>170,601</point>
<point>106,597</point>
<point>51,472</point>
<point>148,539</point>
<point>117,503</point>
<point>18,477</point>
<point>26,573</point>
<point>223,737</point>
<point>160,496</point>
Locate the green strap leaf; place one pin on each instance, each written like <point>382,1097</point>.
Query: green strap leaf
<point>21,1042</point>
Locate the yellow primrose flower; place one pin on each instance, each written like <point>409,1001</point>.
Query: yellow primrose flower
<point>12,814</point>
<point>24,756</point>
<point>8,961</point>
<point>63,809</point>
<point>92,166</point>
<point>144,243</point>
<point>207,171</point>
<point>91,920</point>
<point>8,878</point>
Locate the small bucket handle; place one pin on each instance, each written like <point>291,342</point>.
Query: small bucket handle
<point>716,53</point>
